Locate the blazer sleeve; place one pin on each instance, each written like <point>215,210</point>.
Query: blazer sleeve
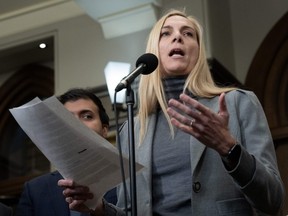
<point>264,190</point>
<point>25,206</point>
<point>42,196</point>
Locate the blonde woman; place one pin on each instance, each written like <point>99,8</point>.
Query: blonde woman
<point>207,150</point>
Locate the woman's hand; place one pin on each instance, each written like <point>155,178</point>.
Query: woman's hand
<point>208,127</point>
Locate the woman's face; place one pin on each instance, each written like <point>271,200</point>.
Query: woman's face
<point>178,47</point>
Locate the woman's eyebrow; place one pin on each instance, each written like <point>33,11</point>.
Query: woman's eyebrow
<point>182,27</point>
<point>166,27</point>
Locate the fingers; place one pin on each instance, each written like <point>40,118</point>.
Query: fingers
<point>222,106</point>
<point>198,120</point>
<point>192,109</point>
<point>185,118</point>
<point>77,205</point>
<point>207,126</point>
<point>66,183</point>
<point>80,192</point>
<point>75,194</point>
<point>189,110</point>
<point>74,190</point>
<point>76,197</point>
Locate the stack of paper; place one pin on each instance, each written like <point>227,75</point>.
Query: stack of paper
<point>76,151</point>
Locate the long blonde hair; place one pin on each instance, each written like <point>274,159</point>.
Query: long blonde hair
<point>199,80</point>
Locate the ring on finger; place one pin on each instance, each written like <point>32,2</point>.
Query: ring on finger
<point>191,122</point>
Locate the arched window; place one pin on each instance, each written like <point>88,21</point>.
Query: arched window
<point>270,68</point>
<point>20,159</point>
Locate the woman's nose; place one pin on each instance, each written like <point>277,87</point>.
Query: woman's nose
<point>177,38</point>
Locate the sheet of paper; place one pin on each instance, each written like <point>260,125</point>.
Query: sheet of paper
<point>76,151</point>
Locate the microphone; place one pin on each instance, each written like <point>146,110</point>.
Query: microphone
<point>145,64</point>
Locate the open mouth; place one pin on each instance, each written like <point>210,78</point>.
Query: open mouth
<point>177,52</point>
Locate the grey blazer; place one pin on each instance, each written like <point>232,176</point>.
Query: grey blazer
<point>217,191</point>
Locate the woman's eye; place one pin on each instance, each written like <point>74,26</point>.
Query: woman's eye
<point>190,34</point>
<point>166,33</point>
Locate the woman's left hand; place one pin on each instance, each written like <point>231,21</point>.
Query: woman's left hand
<point>208,127</point>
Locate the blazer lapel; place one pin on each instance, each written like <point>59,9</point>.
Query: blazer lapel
<point>58,203</point>
<point>196,151</point>
<point>146,150</point>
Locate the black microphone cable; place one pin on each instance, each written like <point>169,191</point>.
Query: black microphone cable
<point>116,112</point>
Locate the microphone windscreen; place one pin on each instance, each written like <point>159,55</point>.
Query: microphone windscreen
<point>149,60</point>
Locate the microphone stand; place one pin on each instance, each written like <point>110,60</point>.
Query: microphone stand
<point>130,101</point>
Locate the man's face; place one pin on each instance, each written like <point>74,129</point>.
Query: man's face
<point>88,113</point>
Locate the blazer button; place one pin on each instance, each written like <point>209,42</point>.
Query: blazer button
<point>196,187</point>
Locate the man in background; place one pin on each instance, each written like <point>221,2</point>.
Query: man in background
<point>41,196</point>
<point>5,210</point>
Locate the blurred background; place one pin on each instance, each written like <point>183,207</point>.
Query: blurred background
<point>49,46</point>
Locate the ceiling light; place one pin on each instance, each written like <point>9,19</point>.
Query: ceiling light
<point>42,45</point>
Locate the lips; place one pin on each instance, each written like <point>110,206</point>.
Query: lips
<point>178,52</point>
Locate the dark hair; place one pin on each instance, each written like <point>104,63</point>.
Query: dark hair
<point>79,93</point>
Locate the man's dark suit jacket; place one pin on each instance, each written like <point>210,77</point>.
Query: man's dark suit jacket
<point>5,210</point>
<point>42,197</point>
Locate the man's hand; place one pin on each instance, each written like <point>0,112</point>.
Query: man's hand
<point>76,195</point>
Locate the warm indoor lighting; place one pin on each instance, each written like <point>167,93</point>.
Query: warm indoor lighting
<point>114,73</point>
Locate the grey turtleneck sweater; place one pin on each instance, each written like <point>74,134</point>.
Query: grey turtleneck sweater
<point>171,169</point>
